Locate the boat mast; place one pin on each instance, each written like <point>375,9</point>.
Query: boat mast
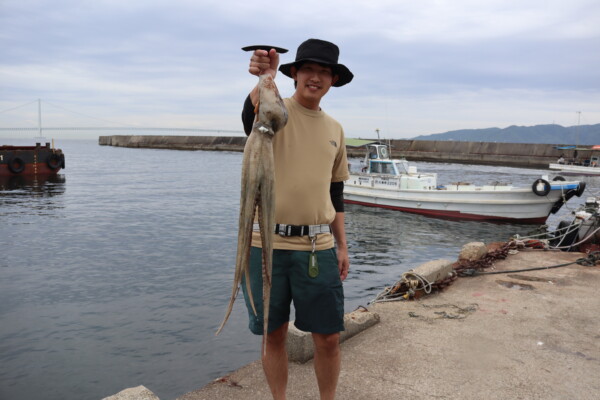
<point>389,144</point>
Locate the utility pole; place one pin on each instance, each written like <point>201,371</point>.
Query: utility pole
<point>577,130</point>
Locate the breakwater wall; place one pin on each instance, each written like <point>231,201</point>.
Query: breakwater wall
<point>214,143</point>
<point>522,155</point>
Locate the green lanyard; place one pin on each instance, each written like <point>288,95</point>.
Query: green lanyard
<point>313,265</point>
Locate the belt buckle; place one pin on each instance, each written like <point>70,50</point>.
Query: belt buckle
<point>282,229</point>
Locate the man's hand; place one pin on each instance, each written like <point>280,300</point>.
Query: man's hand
<point>343,261</point>
<point>264,62</point>
<point>339,233</point>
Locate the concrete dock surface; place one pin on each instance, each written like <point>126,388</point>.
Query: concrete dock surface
<point>519,335</point>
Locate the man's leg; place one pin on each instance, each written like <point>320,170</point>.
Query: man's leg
<point>327,363</point>
<point>275,362</point>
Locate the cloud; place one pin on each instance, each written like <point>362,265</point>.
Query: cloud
<point>420,67</point>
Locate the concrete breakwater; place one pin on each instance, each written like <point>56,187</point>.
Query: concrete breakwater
<point>214,143</point>
<point>529,330</point>
<point>524,155</point>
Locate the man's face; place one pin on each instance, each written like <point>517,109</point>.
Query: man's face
<point>313,81</point>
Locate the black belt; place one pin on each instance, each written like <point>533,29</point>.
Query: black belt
<point>298,230</point>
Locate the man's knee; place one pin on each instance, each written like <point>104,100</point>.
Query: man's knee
<point>327,344</point>
<point>278,336</point>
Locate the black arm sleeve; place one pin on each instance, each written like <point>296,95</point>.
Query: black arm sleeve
<point>336,191</point>
<point>248,115</point>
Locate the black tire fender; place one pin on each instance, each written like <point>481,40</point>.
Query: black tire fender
<point>559,178</point>
<point>568,239</point>
<point>544,191</point>
<point>560,202</point>
<point>54,161</point>
<point>16,165</point>
<point>580,189</point>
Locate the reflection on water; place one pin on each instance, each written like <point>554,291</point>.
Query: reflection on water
<point>37,185</point>
<point>28,195</point>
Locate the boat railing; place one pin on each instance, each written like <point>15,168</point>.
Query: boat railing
<point>374,174</point>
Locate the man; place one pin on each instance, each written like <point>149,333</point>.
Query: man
<point>308,267</point>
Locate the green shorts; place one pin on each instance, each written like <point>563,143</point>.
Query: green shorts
<point>319,301</point>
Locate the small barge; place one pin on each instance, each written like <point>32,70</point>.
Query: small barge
<point>30,160</point>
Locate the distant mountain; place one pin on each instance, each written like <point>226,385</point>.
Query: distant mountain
<point>550,134</point>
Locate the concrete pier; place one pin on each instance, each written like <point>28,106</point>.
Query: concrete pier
<point>516,335</point>
<point>507,154</point>
<point>521,335</point>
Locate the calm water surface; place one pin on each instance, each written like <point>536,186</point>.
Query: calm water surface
<point>117,272</point>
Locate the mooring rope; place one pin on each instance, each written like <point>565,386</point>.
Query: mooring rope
<point>589,261</point>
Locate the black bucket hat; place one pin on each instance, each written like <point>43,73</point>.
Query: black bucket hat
<point>321,52</point>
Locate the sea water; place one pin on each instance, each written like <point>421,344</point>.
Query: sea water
<point>117,272</point>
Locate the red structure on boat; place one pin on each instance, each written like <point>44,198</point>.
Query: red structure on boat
<point>30,160</point>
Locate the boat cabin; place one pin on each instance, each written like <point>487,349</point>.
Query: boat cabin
<point>377,161</point>
<point>593,161</point>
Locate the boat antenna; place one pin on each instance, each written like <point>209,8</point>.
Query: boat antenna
<point>389,146</point>
<point>577,130</point>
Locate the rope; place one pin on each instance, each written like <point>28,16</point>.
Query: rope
<point>404,288</point>
<point>411,282</point>
<point>578,243</point>
<point>545,234</point>
<point>589,261</point>
<point>562,233</point>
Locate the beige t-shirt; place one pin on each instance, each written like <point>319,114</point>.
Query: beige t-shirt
<point>309,153</point>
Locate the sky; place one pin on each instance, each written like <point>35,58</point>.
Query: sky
<point>420,67</point>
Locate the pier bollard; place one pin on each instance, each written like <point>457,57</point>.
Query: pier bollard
<point>300,344</point>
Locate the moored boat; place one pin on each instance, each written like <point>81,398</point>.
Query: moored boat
<point>588,165</point>
<point>582,233</point>
<point>30,160</point>
<point>395,184</point>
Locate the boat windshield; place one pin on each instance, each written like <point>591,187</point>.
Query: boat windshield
<point>382,167</point>
<point>402,166</point>
<point>372,152</point>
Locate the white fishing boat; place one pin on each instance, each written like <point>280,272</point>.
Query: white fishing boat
<point>397,185</point>
<point>587,165</point>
